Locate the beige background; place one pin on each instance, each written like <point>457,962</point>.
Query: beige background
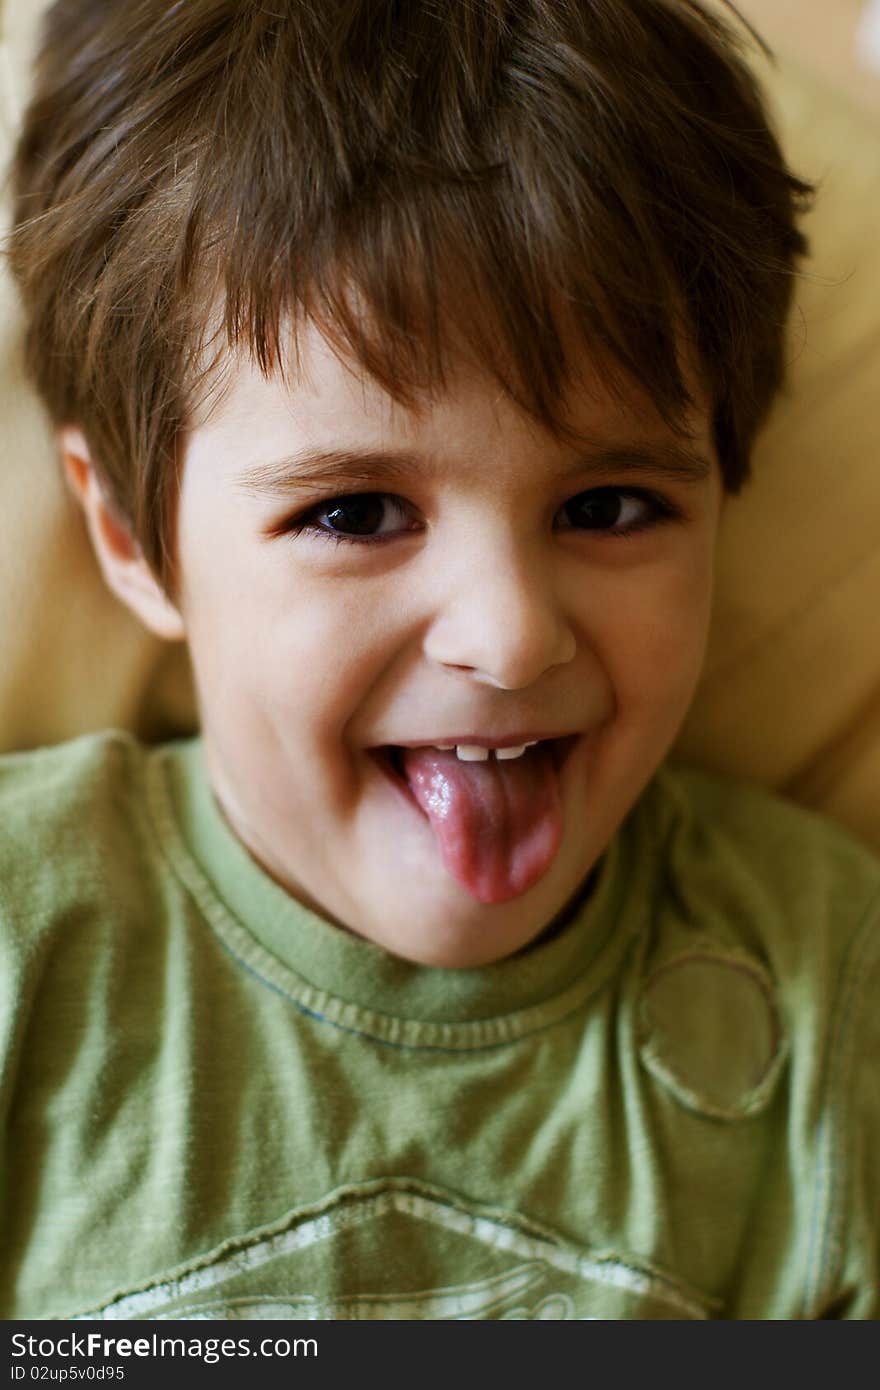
<point>791,693</point>
<point>824,36</point>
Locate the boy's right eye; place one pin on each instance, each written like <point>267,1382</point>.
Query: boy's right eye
<point>358,517</point>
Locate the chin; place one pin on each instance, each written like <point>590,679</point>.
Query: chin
<point>459,933</point>
<point>455,953</point>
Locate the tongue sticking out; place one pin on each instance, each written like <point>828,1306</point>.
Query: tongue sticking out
<point>498,824</point>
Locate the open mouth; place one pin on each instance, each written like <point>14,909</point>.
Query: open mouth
<point>392,757</point>
<point>495,809</point>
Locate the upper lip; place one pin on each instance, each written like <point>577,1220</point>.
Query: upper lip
<point>480,740</point>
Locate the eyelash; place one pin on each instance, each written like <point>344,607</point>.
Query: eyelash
<point>661,511</point>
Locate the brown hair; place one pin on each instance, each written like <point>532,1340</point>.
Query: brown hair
<point>514,175</point>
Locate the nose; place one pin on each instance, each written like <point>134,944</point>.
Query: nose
<point>501,620</point>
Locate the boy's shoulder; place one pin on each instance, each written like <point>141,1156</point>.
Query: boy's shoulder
<point>64,764</point>
<point>719,814</point>
<point>48,784</point>
<point>742,873</point>
<point>70,815</point>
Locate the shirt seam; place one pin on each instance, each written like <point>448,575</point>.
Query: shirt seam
<point>517,1232</point>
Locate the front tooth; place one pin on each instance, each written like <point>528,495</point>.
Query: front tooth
<point>444,747</point>
<point>470,753</point>
<point>504,754</point>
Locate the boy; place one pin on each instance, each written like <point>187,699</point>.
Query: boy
<point>402,357</point>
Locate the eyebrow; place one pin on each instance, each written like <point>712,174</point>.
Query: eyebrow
<point>348,470</point>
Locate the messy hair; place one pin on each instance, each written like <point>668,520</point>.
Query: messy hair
<point>514,178</point>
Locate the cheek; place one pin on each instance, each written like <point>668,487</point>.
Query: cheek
<point>301,654</point>
<point>651,632</point>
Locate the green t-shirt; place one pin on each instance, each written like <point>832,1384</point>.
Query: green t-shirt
<point>214,1104</point>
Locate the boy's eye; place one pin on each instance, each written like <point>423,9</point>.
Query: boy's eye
<point>374,516</point>
<point>616,511</point>
<point>359,516</point>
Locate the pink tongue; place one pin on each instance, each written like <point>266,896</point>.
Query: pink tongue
<point>498,824</point>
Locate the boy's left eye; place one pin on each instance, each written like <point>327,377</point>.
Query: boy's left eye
<point>615,511</point>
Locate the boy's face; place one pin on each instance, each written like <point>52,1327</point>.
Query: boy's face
<point>362,584</point>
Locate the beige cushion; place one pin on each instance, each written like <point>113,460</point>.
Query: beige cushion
<point>71,657</point>
<point>791,694</point>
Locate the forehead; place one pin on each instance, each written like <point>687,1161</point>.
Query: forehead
<point>262,428</point>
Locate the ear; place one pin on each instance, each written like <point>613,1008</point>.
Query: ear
<point>122,564</point>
